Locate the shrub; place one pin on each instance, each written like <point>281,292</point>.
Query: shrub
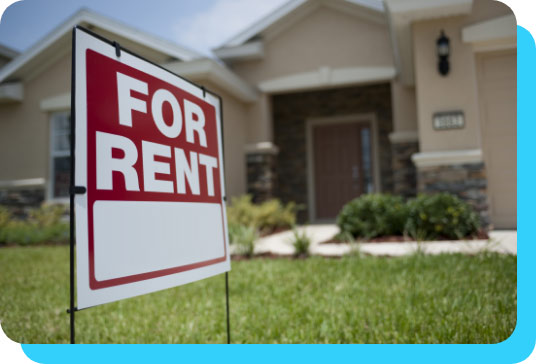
<point>301,243</point>
<point>440,215</point>
<point>243,238</point>
<point>47,215</point>
<point>43,225</point>
<point>265,217</point>
<point>373,215</point>
<point>5,216</point>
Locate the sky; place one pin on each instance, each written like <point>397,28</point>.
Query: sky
<point>195,24</point>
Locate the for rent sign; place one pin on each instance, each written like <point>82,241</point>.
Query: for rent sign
<point>149,153</point>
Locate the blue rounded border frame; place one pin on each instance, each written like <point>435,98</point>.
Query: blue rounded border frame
<point>513,350</point>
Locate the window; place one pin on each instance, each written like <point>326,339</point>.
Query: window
<point>366,159</point>
<point>60,154</point>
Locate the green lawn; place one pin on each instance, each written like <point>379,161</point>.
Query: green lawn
<point>418,299</point>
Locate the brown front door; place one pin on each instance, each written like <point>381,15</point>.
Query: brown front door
<point>342,165</point>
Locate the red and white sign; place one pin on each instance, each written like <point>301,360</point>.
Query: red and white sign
<point>149,152</point>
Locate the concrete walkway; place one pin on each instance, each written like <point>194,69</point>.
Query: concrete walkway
<point>500,241</point>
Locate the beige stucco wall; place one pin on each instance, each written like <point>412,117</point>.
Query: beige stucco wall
<point>259,125</point>
<point>487,9</point>
<point>457,91</point>
<point>326,37</point>
<point>24,137</point>
<point>435,93</point>
<point>323,38</point>
<point>404,107</point>
<point>234,133</point>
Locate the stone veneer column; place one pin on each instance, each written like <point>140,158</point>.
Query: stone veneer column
<point>404,144</point>
<point>261,170</point>
<point>461,173</point>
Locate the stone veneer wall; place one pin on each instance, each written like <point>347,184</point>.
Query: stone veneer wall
<point>290,112</point>
<point>404,171</point>
<point>467,181</point>
<point>20,201</point>
<point>261,175</point>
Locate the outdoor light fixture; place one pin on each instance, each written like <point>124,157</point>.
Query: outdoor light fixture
<point>443,52</point>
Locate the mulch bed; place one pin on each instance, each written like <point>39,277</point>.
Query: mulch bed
<point>236,258</point>
<point>48,243</point>
<point>272,232</point>
<point>481,235</point>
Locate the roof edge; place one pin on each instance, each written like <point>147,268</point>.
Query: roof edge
<point>286,9</point>
<point>8,52</point>
<point>209,70</point>
<point>90,17</point>
<point>263,23</point>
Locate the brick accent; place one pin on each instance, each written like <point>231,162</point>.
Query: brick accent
<point>467,181</point>
<point>290,112</point>
<point>20,201</point>
<point>261,175</point>
<point>404,171</point>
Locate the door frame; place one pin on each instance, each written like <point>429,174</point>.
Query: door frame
<point>339,119</point>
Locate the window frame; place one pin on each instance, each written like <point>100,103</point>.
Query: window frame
<point>53,154</point>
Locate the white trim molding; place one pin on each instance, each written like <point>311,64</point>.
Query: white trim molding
<point>209,70</point>
<point>11,92</point>
<point>261,148</point>
<point>247,51</point>
<point>21,183</point>
<point>492,35</point>
<point>8,52</point>
<point>495,45</point>
<point>498,28</point>
<point>445,158</point>
<point>327,77</point>
<point>404,136</point>
<point>55,103</point>
<point>412,10</point>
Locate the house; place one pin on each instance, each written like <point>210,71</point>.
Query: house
<point>324,100</point>
<point>35,103</point>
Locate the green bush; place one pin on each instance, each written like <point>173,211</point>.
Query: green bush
<point>265,217</point>
<point>43,225</point>
<point>373,215</point>
<point>426,217</point>
<point>243,238</point>
<point>440,215</point>
<point>5,216</point>
<point>301,243</point>
<point>47,215</point>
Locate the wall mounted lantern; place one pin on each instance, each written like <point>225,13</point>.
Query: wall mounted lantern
<point>443,52</point>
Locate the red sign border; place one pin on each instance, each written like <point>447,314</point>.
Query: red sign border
<point>95,284</point>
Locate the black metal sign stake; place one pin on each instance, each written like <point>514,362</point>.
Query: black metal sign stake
<point>71,194</point>
<point>73,190</point>
<point>227,307</point>
<point>71,306</point>
<point>225,199</point>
